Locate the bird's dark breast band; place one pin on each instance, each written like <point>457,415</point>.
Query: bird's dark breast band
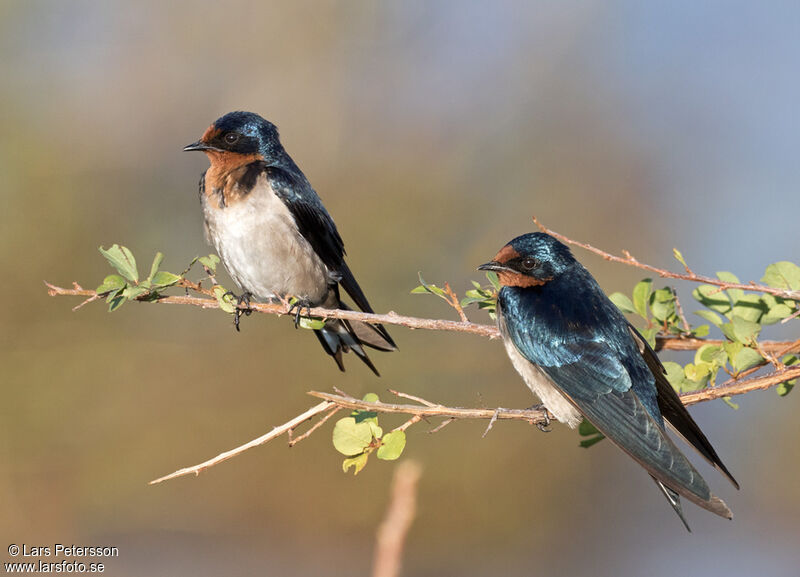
<point>231,176</point>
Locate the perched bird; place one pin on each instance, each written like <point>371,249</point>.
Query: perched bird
<point>273,234</point>
<point>581,357</point>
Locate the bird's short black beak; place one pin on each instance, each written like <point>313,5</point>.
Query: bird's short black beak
<point>496,267</point>
<point>199,145</point>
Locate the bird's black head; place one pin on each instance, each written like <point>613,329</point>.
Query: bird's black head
<point>530,260</point>
<point>241,133</point>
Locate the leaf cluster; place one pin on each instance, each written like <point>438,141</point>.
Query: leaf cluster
<point>738,315</point>
<point>484,296</point>
<point>126,286</point>
<point>359,435</point>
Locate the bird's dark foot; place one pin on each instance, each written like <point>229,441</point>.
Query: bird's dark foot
<point>543,427</point>
<point>297,307</point>
<point>242,306</point>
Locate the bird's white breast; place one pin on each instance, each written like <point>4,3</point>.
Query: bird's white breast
<point>538,382</point>
<point>261,247</point>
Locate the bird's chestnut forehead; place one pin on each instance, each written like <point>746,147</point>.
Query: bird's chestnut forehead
<point>506,254</point>
<point>211,133</point>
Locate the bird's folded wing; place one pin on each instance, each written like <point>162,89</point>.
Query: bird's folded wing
<point>313,221</point>
<point>589,374</point>
<point>675,412</point>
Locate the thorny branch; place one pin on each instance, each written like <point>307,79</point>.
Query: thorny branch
<point>332,403</point>
<point>425,409</point>
<point>690,275</point>
<point>391,318</point>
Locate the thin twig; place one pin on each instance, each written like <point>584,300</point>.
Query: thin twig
<point>442,425</point>
<point>629,260</point>
<point>413,420</point>
<point>491,423</point>
<point>94,297</point>
<point>316,426</point>
<point>276,432</point>
<point>687,328</point>
<point>742,387</point>
<point>663,342</point>
<point>390,318</point>
<point>788,348</point>
<point>455,303</point>
<point>420,400</point>
<point>399,516</point>
<point>533,416</point>
<point>794,315</point>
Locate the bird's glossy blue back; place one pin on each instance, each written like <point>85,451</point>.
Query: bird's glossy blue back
<point>568,312</point>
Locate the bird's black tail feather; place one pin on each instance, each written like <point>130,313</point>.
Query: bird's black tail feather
<point>340,336</point>
<point>674,500</point>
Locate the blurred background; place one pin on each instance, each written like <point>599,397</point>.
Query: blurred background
<point>433,131</point>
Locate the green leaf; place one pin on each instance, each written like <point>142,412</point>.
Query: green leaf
<point>133,292</point>
<point>367,416</point>
<point>641,296</point>
<point>226,301</point>
<point>782,275</point>
<point>785,388</point>
<point>675,375</point>
<point>699,373</point>
<point>351,438</point>
<point>113,283</point>
<point>730,403</point>
<point>163,279</point>
<point>392,445</point>
<point>210,262</point>
<point>376,430</point>
<point>430,288</point>
<point>650,336</point>
<point>749,307</point>
<point>493,280</point>
<point>358,462</point>
<point>712,297</point>
<point>156,263</point>
<point>679,257</point>
<point>587,429</point>
<point>710,316</point>
<point>586,443</point>
<point>701,331</point>
<point>311,323</point>
<point>745,359</point>
<point>732,349</point>
<point>662,304</point>
<point>623,302</point>
<point>122,259</point>
<point>779,312</point>
<point>741,330</point>
<point>729,277</point>
<point>115,302</point>
<point>714,354</point>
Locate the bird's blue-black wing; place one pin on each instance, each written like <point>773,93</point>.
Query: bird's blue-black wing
<point>317,226</point>
<point>589,372</point>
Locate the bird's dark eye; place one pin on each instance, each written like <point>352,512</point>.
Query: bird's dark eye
<point>529,263</point>
<point>231,138</point>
